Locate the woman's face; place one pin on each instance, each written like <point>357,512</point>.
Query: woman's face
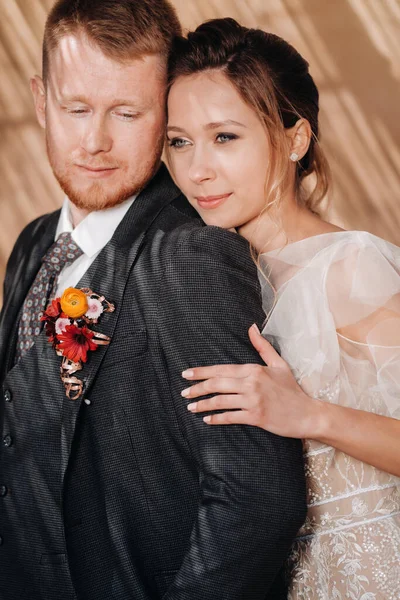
<point>218,149</point>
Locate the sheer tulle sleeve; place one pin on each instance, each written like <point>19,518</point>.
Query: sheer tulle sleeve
<point>363,291</point>
<point>337,317</point>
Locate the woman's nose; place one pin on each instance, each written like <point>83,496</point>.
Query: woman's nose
<point>201,170</point>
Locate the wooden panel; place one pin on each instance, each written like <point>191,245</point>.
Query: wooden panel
<point>353,50</point>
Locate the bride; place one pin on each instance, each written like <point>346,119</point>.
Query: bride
<point>243,139</point>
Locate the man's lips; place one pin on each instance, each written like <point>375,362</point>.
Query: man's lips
<point>208,202</point>
<point>97,171</point>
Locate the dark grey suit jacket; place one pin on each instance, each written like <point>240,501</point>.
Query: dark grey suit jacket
<point>131,496</point>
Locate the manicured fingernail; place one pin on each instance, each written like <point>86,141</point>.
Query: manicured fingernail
<point>185,392</point>
<point>188,373</point>
<point>255,327</point>
<point>192,406</point>
<point>206,419</point>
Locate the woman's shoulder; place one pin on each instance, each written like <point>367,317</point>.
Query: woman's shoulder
<point>337,278</point>
<point>340,249</point>
<point>333,271</point>
<point>334,239</point>
<point>357,241</point>
<point>345,283</point>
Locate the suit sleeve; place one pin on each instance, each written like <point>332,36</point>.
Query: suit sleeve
<point>12,262</point>
<point>18,252</point>
<point>252,490</point>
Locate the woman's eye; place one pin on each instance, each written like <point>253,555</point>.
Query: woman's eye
<point>222,138</point>
<point>178,143</point>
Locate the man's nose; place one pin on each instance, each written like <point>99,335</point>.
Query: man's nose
<point>96,137</point>
<point>201,169</point>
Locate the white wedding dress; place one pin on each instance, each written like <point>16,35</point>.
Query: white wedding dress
<point>336,322</point>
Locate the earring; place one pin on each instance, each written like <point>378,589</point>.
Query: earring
<point>294,157</point>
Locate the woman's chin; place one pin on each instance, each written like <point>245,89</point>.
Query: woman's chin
<point>215,222</point>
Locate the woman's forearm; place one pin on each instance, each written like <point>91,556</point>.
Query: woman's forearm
<point>370,438</point>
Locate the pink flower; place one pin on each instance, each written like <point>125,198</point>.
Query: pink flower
<point>61,324</point>
<point>95,308</point>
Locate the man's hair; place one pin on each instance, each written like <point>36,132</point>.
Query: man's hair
<point>122,29</point>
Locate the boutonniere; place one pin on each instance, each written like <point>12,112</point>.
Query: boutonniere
<point>68,323</point>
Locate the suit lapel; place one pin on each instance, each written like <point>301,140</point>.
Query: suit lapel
<point>108,276</point>
<point>25,272</point>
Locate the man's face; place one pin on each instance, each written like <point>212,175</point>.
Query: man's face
<point>104,122</point>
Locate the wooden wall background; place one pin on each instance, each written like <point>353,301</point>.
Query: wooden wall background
<point>354,51</point>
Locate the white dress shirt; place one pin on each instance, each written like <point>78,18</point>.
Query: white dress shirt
<point>91,235</point>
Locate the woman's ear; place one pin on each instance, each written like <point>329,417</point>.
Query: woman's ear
<point>39,99</point>
<point>299,139</point>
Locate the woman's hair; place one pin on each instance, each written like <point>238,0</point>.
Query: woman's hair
<point>122,29</point>
<point>273,79</point>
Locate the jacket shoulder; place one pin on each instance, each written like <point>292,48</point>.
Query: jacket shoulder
<point>25,241</point>
<point>32,228</point>
<point>201,245</point>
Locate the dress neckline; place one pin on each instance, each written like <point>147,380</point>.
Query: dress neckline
<point>321,236</point>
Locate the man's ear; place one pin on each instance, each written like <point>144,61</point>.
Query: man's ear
<point>39,99</point>
<point>299,138</point>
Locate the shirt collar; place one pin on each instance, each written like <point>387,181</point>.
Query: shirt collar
<point>96,229</point>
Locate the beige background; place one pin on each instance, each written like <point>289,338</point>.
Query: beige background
<point>354,51</point>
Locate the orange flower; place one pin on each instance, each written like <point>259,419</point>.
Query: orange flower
<point>74,303</point>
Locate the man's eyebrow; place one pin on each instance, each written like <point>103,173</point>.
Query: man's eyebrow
<point>73,98</point>
<point>123,101</point>
<point>81,98</point>
<point>214,125</point>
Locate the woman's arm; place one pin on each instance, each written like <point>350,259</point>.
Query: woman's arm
<point>371,438</point>
<point>270,398</point>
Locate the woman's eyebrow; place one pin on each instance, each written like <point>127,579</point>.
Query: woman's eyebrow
<point>213,125</point>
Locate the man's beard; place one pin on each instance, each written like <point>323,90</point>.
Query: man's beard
<point>96,196</point>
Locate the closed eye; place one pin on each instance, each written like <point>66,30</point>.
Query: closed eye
<point>77,111</point>
<point>127,116</point>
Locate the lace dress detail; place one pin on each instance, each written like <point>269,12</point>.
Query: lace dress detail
<point>336,322</point>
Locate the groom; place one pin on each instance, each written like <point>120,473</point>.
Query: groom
<point>122,494</point>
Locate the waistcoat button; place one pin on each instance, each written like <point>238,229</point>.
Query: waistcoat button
<point>3,491</point>
<point>7,396</point>
<point>7,441</point>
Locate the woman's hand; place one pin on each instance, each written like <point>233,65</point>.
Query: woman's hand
<point>267,397</point>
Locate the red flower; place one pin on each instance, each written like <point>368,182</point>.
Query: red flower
<point>50,316</point>
<point>75,343</point>
<point>53,310</point>
<point>50,327</point>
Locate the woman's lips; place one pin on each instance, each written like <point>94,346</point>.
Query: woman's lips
<point>209,202</point>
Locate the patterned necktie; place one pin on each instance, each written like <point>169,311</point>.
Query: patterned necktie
<point>61,254</point>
